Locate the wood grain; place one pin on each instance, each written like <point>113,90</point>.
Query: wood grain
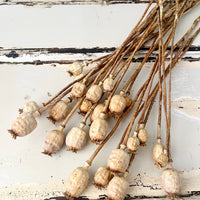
<point>71,2</point>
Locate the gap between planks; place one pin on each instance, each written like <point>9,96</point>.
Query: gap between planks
<point>40,56</point>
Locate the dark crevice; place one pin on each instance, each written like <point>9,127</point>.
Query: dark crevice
<point>84,50</point>
<point>101,197</point>
<point>62,62</point>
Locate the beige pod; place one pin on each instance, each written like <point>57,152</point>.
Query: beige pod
<point>23,125</point>
<point>117,104</point>
<point>102,177</point>
<point>118,161</point>
<point>142,136</point>
<point>59,111</point>
<point>171,182</point>
<point>76,139</point>
<point>108,84</point>
<point>85,106</point>
<point>77,182</point>
<point>53,142</point>
<point>160,155</point>
<point>162,160</point>
<point>94,93</point>
<point>128,101</point>
<point>75,68</point>
<point>78,89</point>
<point>97,111</point>
<point>157,150</point>
<point>117,188</point>
<point>98,129</point>
<point>133,143</point>
<point>30,106</point>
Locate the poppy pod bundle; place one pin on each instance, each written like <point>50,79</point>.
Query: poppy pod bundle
<point>105,91</point>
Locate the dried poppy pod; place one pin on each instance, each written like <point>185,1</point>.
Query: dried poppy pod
<point>23,125</point>
<point>77,182</point>
<point>75,69</point>
<point>160,155</point>
<point>85,106</point>
<point>76,138</point>
<point>142,136</point>
<point>162,160</point>
<point>117,188</point>
<point>117,104</point>
<point>59,111</point>
<point>108,84</point>
<point>78,89</point>
<point>118,161</point>
<point>30,106</point>
<point>94,93</point>
<point>133,143</point>
<point>171,182</point>
<point>98,129</point>
<point>128,101</point>
<point>54,142</point>
<point>102,177</point>
<point>97,112</point>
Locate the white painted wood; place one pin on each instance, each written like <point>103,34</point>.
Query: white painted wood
<point>141,185</point>
<point>21,161</point>
<point>74,26</point>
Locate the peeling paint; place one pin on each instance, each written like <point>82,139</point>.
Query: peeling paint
<point>141,187</point>
<point>188,106</point>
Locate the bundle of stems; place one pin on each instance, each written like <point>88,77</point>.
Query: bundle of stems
<point>156,27</point>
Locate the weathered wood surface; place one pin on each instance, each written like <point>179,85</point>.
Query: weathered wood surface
<point>71,2</point>
<point>36,44</point>
<point>73,26</point>
<point>141,187</point>
<point>21,162</point>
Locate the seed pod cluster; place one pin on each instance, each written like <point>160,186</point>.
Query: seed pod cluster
<point>143,136</point>
<point>58,112</point>
<point>133,143</point>
<point>108,84</point>
<point>98,129</point>
<point>94,93</point>
<point>171,182</point>
<point>23,125</point>
<point>30,106</point>
<point>76,139</point>
<point>77,182</point>
<point>85,106</point>
<point>117,188</point>
<point>102,177</point>
<point>53,142</point>
<point>117,104</point>
<point>75,69</point>
<point>160,155</point>
<point>78,89</point>
<point>97,112</point>
<point>118,161</point>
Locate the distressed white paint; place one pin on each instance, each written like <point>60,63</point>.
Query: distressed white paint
<point>74,26</point>
<point>146,186</point>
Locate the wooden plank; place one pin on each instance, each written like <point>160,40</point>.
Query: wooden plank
<point>70,26</point>
<point>141,187</point>
<point>70,2</point>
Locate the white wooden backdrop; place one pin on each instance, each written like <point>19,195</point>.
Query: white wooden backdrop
<point>37,41</point>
